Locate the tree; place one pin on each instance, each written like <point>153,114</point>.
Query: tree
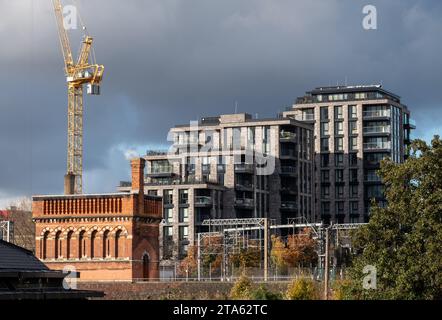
<point>20,213</point>
<point>300,250</point>
<point>188,267</point>
<point>403,241</point>
<point>302,289</point>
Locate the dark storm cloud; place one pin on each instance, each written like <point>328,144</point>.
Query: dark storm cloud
<point>171,61</point>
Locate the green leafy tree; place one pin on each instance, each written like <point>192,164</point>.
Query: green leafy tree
<point>242,289</point>
<point>303,289</point>
<point>404,240</point>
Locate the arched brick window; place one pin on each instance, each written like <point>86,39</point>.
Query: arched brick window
<point>93,244</point>
<point>58,245</point>
<point>106,244</point>
<point>82,244</point>
<point>44,249</point>
<point>118,244</point>
<point>69,244</point>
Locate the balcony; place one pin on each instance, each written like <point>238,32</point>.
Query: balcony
<point>288,170</point>
<point>377,145</point>
<point>245,203</point>
<point>161,171</point>
<point>376,129</point>
<point>180,181</point>
<point>376,114</point>
<point>244,168</point>
<point>287,154</point>
<point>203,201</point>
<point>410,125</point>
<point>244,186</point>
<point>285,136</point>
<point>288,206</point>
<point>289,190</point>
<point>372,178</point>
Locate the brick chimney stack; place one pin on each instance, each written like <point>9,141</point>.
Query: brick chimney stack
<point>137,166</point>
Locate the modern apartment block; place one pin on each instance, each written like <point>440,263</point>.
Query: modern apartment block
<point>231,166</point>
<point>355,127</point>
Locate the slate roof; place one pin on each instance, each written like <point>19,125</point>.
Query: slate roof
<point>13,257</point>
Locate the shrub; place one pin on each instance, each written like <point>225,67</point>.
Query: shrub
<point>262,293</point>
<point>242,289</point>
<point>302,289</point>
<point>342,290</point>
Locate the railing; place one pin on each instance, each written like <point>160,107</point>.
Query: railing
<point>179,181</point>
<point>372,178</point>
<point>376,113</point>
<point>289,205</point>
<point>376,145</point>
<point>244,167</point>
<point>244,185</point>
<point>95,205</point>
<point>377,129</point>
<point>245,202</point>
<point>161,170</point>
<point>203,200</point>
<point>308,117</point>
<point>290,154</point>
<point>288,169</point>
<point>286,135</point>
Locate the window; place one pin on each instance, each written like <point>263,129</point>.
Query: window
<point>325,208</point>
<point>324,128</point>
<point>353,143</point>
<point>352,113</point>
<point>375,191</point>
<point>339,159</point>
<point>308,114</point>
<point>353,191</point>
<point>168,242</point>
<point>339,144</point>
<point>353,207</point>
<point>93,240</point>
<point>353,159</point>
<point>324,160</point>
<point>184,233</point>
<point>324,113</point>
<point>339,192</point>
<point>339,207</point>
<point>58,245</point>
<point>338,112</point>
<point>325,176</point>
<point>353,173</point>
<point>168,215</point>
<point>353,127</point>
<point>339,175</point>
<point>184,196</point>
<point>168,197</point>
<point>205,166</point>
<point>184,215</point>
<point>339,127</point>
<point>152,192</point>
<point>325,191</point>
<point>106,244</point>
<point>118,251</point>
<point>324,144</point>
<point>360,95</point>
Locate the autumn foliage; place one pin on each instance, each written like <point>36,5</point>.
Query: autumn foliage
<point>298,250</point>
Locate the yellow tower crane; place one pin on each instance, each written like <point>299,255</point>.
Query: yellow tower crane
<point>77,74</point>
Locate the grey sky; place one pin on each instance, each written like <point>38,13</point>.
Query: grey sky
<point>172,61</point>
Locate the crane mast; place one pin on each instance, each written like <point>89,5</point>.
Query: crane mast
<point>77,74</point>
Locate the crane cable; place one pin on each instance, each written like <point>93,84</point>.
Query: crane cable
<point>86,32</point>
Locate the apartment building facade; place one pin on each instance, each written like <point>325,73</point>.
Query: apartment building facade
<point>355,127</point>
<point>231,166</point>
